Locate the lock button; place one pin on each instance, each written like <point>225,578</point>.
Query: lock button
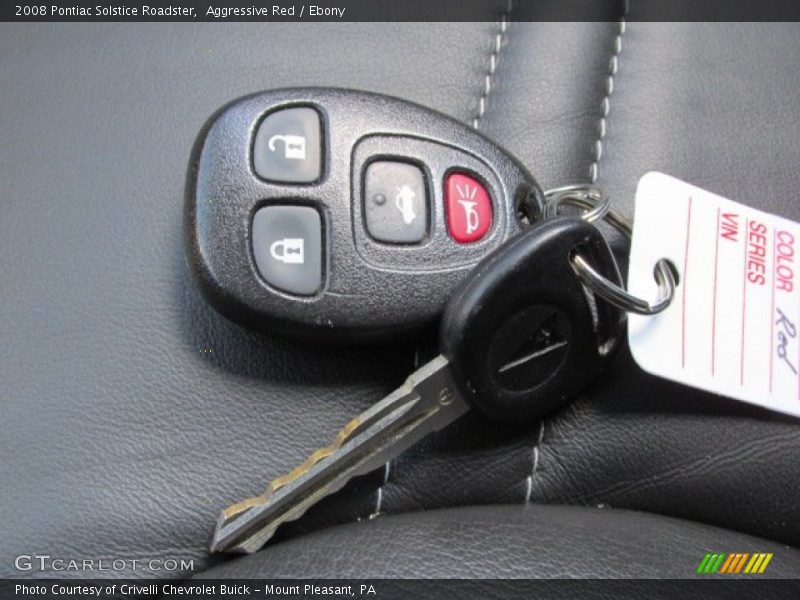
<point>287,247</point>
<point>288,146</point>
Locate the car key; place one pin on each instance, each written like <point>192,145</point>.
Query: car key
<point>524,299</point>
<point>345,216</point>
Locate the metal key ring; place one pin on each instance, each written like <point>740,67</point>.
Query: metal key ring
<point>597,205</point>
<point>591,198</point>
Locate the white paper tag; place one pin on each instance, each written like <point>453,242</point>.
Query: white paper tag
<point>732,328</point>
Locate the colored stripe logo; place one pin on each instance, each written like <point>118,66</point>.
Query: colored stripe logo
<point>733,563</point>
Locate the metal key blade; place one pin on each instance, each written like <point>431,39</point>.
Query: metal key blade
<point>426,402</point>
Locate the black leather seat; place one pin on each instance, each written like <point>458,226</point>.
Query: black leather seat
<point>489,542</point>
<point>132,412</point>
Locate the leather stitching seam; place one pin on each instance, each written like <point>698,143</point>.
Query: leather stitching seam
<point>529,480</point>
<point>605,105</point>
<point>379,495</point>
<point>494,59</point>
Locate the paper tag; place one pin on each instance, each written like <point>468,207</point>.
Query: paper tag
<point>732,327</point>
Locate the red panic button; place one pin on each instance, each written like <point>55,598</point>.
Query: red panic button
<point>468,206</point>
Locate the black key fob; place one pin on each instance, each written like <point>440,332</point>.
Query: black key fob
<point>345,216</point>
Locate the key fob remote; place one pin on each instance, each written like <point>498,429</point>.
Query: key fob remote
<point>345,216</point>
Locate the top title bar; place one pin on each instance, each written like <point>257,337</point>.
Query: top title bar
<point>403,10</point>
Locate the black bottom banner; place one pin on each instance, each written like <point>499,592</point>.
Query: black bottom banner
<point>460,589</point>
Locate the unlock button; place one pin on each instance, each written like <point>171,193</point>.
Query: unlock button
<point>287,147</point>
<point>287,247</point>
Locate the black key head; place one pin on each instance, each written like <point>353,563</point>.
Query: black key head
<point>521,332</point>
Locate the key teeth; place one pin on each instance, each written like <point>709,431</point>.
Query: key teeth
<point>318,455</point>
<point>408,395</point>
<point>234,511</point>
